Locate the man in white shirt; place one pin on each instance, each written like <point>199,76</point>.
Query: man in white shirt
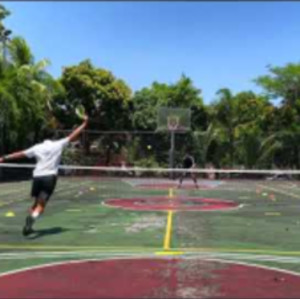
<point>48,156</point>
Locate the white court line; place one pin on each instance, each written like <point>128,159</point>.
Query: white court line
<point>279,191</point>
<point>203,255</point>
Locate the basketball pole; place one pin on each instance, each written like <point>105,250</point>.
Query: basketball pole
<point>172,120</point>
<point>172,149</point>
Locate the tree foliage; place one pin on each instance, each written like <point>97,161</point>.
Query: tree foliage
<point>282,83</point>
<point>106,99</point>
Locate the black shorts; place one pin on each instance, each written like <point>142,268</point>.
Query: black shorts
<point>43,186</point>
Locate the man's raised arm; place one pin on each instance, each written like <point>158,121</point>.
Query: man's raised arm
<point>74,135</point>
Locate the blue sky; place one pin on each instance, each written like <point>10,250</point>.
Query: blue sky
<point>217,44</point>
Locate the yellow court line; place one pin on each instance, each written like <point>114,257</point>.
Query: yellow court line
<point>167,240</point>
<point>272,213</point>
<point>279,191</point>
<point>169,253</point>
<point>171,193</point>
<point>168,234</point>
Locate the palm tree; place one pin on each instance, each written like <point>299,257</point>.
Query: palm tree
<point>227,119</point>
<point>204,139</point>
<point>25,89</point>
<point>254,149</point>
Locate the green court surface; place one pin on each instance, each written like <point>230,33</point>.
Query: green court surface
<point>77,224</point>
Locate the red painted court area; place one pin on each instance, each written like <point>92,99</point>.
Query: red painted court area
<point>150,278</point>
<point>176,204</point>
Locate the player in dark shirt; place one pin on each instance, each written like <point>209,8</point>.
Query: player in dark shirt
<point>188,163</point>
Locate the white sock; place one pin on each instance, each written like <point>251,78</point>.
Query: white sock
<point>35,214</point>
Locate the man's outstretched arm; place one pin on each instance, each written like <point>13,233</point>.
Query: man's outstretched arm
<point>74,135</point>
<point>13,156</point>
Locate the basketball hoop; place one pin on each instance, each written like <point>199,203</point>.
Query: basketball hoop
<point>173,122</point>
<point>173,119</point>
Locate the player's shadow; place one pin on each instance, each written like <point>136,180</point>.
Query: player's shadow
<point>39,233</point>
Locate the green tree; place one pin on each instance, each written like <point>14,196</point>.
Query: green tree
<point>31,87</point>
<point>147,101</point>
<point>105,98</point>
<point>25,88</point>
<point>227,119</point>
<point>241,119</point>
<point>203,141</point>
<point>282,82</point>
<point>107,101</point>
<point>254,150</point>
<point>4,32</point>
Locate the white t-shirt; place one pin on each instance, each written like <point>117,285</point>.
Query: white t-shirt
<point>48,155</point>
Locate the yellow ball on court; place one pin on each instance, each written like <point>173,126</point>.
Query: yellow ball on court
<point>92,189</point>
<point>10,214</point>
<point>149,147</point>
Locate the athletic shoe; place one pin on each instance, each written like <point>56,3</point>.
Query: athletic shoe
<point>27,229</point>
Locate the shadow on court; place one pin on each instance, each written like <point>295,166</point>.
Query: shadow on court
<point>46,232</point>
